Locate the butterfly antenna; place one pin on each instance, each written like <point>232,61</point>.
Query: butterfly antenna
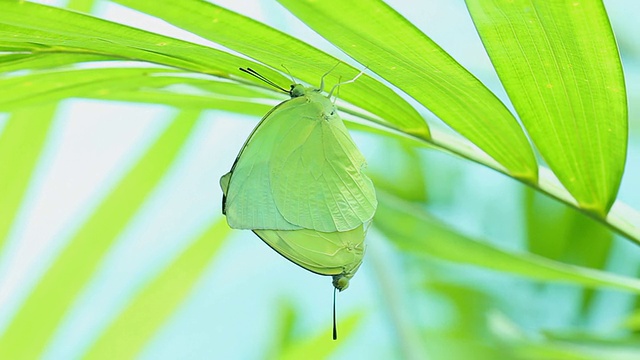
<point>337,92</point>
<point>259,76</point>
<point>325,75</point>
<point>293,81</point>
<point>346,82</point>
<point>335,328</point>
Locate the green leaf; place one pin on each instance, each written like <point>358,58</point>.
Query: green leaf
<point>25,130</point>
<point>321,344</point>
<point>128,333</point>
<point>34,323</point>
<point>45,87</point>
<point>286,345</point>
<point>38,28</point>
<point>396,50</point>
<point>128,84</point>
<point>558,232</point>
<point>81,5</point>
<point>12,62</point>
<point>412,229</point>
<point>559,63</point>
<point>466,335</point>
<point>187,101</point>
<point>275,48</point>
<point>400,172</point>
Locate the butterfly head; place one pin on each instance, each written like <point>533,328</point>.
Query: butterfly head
<point>297,90</point>
<point>341,281</point>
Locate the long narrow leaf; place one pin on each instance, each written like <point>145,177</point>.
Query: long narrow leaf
<point>275,48</point>
<point>27,26</point>
<point>559,63</point>
<point>188,101</point>
<point>50,86</point>
<point>134,327</point>
<point>396,50</point>
<point>414,230</point>
<point>21,142</point>
<point>46,87</point>
<point>36,320</point>
<point>30,61</point>
<point>558,232</point>
<point>320,344</point>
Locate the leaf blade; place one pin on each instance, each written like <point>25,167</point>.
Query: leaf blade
<point>275,48</point>
<point>26,130</point>
<point>396,50</point>
<point>46,305</point>
<point>127,334</point>
<point>37,28</point>
<point>560,66</point>
<point>401,221</point>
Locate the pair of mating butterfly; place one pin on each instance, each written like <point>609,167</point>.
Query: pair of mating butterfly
<point>298,184</point>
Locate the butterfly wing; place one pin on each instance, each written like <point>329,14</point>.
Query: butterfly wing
<point>316,174</point>
<point>323,253</point>
<point>298,184</point>
<point>248,201</point>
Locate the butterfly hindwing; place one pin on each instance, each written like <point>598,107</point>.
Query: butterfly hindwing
<point>331,253</point>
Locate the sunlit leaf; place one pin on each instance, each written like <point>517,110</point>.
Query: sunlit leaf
<point>412,229</point>
<point>396,50</point>
<point>275,48</point>
<point>142,84</point>
<point>21,142</point>
<point>46,87</point>
<point>13,62</point>
<point>321,344</point>
<point>127,334</point>
<point>34,323</point>
<point>35,28</point>
<point>560,65</point>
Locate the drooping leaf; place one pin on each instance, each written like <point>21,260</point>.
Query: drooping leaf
<point>52,86</point>
<point>396,50</point>
<point>36,28</point>
<point>275,48</point>
<point>128,333</point>
<point>21,142</point>
<point>560,65</point>
<point>137,84</point>
<point>561,233</point>
<point>55,292</point>
<point>412,229</point>
<point>37,61</point>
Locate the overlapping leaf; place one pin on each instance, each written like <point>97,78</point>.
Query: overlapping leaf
<point>275,48</point>
<point>47,304</point>
<point>414,230</point>
<point>559,63</point>
<point>26,130</point>
<point>126,336</point>
<point>396,50</point>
